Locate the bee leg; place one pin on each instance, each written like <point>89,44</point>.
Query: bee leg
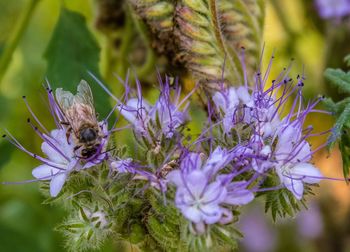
<point>68,132</point>
<point>76,147</point>
<point>64,123</point>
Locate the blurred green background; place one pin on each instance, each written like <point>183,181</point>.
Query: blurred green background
<point>293,29</point>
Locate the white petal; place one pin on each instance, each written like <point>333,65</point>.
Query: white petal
<point>52,154</point>
<point>266,150</point>
<point>192,213</point>
<point>176,178</point>
<point>239,197</point>
<point>60,137</point>
<point>243,95</point>
<point>129,114</point>
<point>232,98</point>
<point>211,213</point>
<point>192,161</point>
<point>44,172</point>
<point>196,182</point>
<point>219,101</point>
<point>226,216</point>
<point>296,186</point>
<point>216,161</point>
<point>303,152</point>
<point>57,183</point>
<point>309,173</point>
<point>287,135</point>
<point>228,122</point>
<point>215,192</point>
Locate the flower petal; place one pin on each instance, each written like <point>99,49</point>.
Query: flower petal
<point>192,161</point>
<point>243,95</point>
<point>296,186</point>
<point>239,197</point>
<point>307,172</point>
<point>57,183</point>
<point>196,181</point>
<point>211,213</point>
<point>215,192</point>
<point>44,172</point>
<point>217,160</point>
<point>52,154</point>
<point>176,178</point>
<point>192,213</point>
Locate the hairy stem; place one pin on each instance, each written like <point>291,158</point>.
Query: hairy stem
<point>230,54</point>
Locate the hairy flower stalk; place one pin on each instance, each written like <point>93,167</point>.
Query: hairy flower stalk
<point>202,34</point>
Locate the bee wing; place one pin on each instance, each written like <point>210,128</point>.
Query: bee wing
<point>84,94</point>
<point>64,98</point>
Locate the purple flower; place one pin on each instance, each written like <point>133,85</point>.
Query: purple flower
<point>241,106</point>
<point>198,199</point>
<point>123,166</point>
<point>292,154</point>
<point>310,222</point>
<point>62,154</point>
<point>329,9</point>
<point>259,236</point>
<point>164,117</point>
<point>201,194</point>
<point>229,102</point>
<point>276,140</point>
<point>61,160</point>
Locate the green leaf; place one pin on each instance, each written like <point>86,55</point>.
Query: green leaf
<point>339,125</point>
<point>281,203</point>
<point>72,51</point>
<point>339,79</point>
<point>344,147</point>
<point>347,60</point>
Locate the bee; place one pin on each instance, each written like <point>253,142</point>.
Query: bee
<point>81,119</point>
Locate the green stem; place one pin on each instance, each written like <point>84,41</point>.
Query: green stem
<point>282,17</point>
<point>149,63</point>
<point>16,36</point>
<point>125,45</point>
<point>233,59</point>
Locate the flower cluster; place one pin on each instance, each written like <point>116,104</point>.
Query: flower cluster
<point>277,142</point>
<point>202,193</point>
<point>254,134</point>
